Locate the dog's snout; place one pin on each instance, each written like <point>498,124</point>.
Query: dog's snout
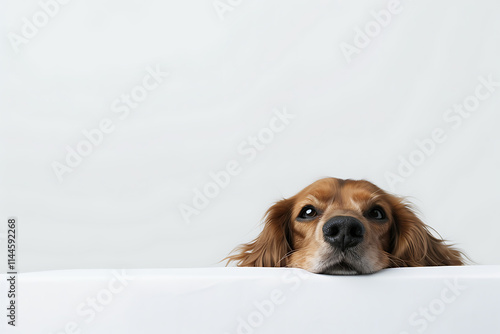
<point>343,232</point>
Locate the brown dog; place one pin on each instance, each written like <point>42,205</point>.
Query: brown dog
<point>345,227</point>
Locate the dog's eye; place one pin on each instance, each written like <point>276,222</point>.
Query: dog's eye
<point>307,212</point>
<point>377,213</point>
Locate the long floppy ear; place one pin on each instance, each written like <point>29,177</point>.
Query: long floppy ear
<point>270,248</point>
<point>412,243</point>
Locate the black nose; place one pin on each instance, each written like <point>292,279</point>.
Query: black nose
<point>343,232</point>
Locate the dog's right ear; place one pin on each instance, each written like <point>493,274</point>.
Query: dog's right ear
<point>272,245</point>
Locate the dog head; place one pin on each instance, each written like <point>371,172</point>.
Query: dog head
<point>345,227</point>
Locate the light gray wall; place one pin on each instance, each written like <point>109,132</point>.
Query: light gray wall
<point>230,70</point>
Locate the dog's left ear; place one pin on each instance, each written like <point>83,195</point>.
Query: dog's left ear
<point>272,245</point>
<point>412,243</point>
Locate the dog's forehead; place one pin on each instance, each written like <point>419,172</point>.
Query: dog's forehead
<point>322,190</point>
<point>360,191</point>
<point>331,190</point>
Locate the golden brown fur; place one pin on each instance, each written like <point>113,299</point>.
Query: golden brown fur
<point>399,239</point>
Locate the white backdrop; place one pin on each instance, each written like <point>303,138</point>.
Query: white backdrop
<point>104,155</point>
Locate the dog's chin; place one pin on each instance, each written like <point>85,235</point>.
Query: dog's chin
<point>345,264</point>
<point>341,268</point>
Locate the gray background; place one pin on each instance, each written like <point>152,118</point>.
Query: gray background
<point>120,206</point>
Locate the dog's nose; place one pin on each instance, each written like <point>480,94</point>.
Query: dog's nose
<point>343,232</point>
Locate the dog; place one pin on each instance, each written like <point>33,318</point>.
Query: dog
<point>344,227</point>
